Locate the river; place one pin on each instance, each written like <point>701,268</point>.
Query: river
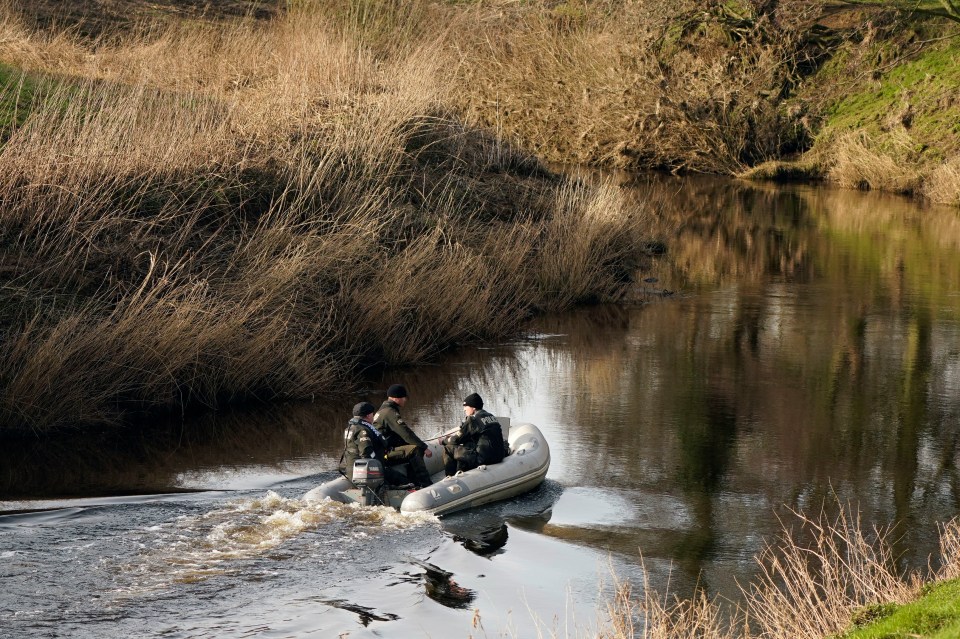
<point>806,352</point>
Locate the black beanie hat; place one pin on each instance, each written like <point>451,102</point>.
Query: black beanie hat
<point>474,401</point>
<point>363,409</point>
<point>397,390</point>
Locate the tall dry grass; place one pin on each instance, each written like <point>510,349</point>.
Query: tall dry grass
<point>213,211</point>
<point>812,588</point>
<point>942,185</point>
<point>641,84</point>
<point>811,583</point>
<point>858,162</point>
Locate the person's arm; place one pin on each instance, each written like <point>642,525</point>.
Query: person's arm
<point>364,444</point>
<point>405,432</point>
<point>470,429</point>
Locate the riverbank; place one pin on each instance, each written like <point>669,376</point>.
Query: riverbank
<point>205,211</point>
<point>862,94</point>
<point>824,577</point>
<point>225,159</point>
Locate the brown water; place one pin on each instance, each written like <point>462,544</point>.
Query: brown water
<point>811,348</point>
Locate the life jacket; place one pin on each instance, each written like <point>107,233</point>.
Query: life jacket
<point>360,439</point>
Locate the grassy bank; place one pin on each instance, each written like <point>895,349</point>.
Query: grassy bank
<point>204,211</point>
<point>859,93</point>
<point>825,577</point>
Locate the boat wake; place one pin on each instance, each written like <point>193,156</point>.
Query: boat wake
<point>225,541</point>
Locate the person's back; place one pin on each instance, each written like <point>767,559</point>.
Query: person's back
<point>485,431</point>
<point>361,439</point>
<point>479,441</point>
<point>405,446</point>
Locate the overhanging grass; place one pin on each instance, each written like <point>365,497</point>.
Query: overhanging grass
<point>935,615</point>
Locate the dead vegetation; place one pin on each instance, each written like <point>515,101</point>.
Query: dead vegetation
<point>216,211</point>
<point>813,582</point>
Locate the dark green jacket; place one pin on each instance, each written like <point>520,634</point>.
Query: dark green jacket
<point>393,428</point>
<point>360,440</point>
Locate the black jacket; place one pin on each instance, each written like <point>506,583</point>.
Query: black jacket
<point>482,432</point>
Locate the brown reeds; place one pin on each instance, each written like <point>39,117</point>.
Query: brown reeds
<point>857,162</point>
<point>949,550</point>
<point>811,583</point>
<point>942,185</point>
<point>652,615</point>
<point>811,589</point>
<point>639,84</point>
<point>215,211</point>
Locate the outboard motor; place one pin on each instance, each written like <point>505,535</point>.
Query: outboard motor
<point>368,477</point>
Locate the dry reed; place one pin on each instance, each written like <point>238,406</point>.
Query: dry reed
<point>811,582</point>
<point>652,615</point>
<point>639,84</point>
<point>812,589</point>
<point>234,210</point>
<point>942,185</point>
<point>858,163</point>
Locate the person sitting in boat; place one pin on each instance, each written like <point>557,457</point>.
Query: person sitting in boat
<point>362,440</point>
<point>480,440</point>
<point>405,447</point>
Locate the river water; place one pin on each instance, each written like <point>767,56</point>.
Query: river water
<point>807,352</point>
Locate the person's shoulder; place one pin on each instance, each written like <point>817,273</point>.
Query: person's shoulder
<point>487,418</point>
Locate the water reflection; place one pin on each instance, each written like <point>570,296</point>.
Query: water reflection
<point>440,586</point>
<point>288,440</point>
<point>483,542</point>
<point>365,615</point>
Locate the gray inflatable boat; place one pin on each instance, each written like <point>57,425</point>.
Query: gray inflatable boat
<point>522,470</point>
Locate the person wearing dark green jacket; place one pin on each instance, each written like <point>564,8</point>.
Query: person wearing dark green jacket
<point>361,440</point>
<point>405,446</point>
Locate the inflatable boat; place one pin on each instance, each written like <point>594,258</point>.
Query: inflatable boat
<point>523,469</point>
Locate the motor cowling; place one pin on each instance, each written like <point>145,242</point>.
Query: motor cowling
<point>368,474</point>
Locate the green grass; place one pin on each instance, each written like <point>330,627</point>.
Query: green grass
<point>16,95</point>
<point>936,615</point>
<point>928,83</point>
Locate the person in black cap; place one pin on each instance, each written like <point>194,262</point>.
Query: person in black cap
<point>405,446</point>
<point>362,440</point>
<point>480,440</point>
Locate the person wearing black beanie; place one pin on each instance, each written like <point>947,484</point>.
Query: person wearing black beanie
<point>397,391</point>
<point>480,440</point>
<point>405,446</point>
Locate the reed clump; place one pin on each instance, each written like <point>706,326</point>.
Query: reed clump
<point>823,575</point>
<point>211,211</point>
<point>942,185</point>
<point>859,162</point>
